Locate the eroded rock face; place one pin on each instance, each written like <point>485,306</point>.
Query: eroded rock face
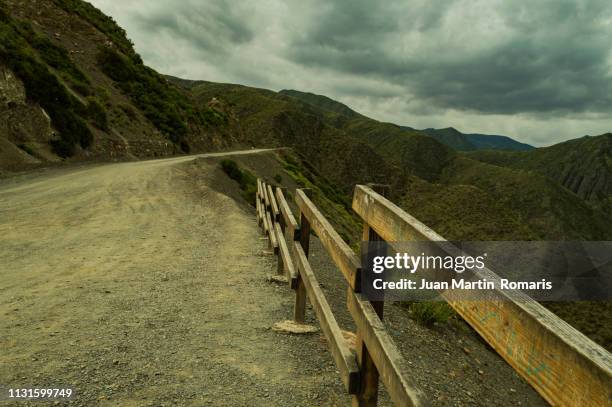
<point>590,178</point>
<point>11,89</point>
<point>25,129</point>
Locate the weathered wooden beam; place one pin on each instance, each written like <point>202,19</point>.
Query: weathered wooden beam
<point>344,358</point>
<point>266,199</point>
<point>392,367</point>
<point>273,206</point>
<point>368,393</point>
<point>287,215</point>
<point>561,363</point>
<point>258,211</point>
<point>259,189</point>
<point>264,221</point>
<point>285,258</point>
<point>271,233</point>
<point>339,251</point>
<point>299,309</point>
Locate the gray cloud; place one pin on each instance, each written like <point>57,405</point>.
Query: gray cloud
<point>207,26</point>
<point>539,71</point>
<point>553,57</point>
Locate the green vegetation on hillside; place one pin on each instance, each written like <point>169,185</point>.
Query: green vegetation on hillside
<point>166,106</point>
<point>583,166</point>
<point>328,197</point>
<point>67,113</point>
<point>244,178</point>
<point>102,22</point>
<point>56,57</point>
<point>548,210</point>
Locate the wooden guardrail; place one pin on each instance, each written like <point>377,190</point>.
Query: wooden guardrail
<point>563,365</point>
<point>376,357</point>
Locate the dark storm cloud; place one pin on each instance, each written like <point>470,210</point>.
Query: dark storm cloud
<point>540,71</point>
<point>211,26</point>
<point>532,57</point>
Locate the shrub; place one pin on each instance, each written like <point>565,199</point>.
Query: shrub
<point>162,104</point>
<point>97,114</point>
<point>29,150</point>
<point>102,22</point>
<point>278,178</point>
<point>43,87</point>
<point>430,312</point>
<point>129,111</point>
<point>232,170</point>
<point>54,56</point>
<point>246,180</point>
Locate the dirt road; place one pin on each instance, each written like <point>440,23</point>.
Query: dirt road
<point>138,284</point>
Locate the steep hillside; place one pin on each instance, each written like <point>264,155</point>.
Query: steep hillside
<point>270,119</point>
<point>413,151</point>
<point>583,166</point>
<point>322,102</point>
<point>496,142</point>
<point>550,211</point>
<point>72,87</point>
<point>460,197</point>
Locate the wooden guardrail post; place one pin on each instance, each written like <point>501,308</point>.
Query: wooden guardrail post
<point>258,204</point>
<point>280,229</point>
<point>368,394</point>
<point>299,310</point>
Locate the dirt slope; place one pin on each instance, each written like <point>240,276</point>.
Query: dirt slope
<point>138,284</point>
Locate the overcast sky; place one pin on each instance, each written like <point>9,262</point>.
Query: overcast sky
<point>538,71</point>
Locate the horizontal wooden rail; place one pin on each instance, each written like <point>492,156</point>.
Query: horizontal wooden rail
<point>562,364</point>
<point>273,206</point>
<point>345,360</point>
<point>272,233</point>
<point>340,252</point>
<point>266,198</point>
<point>287,215</point>
<point>285,257</point>
<point>264,221</point>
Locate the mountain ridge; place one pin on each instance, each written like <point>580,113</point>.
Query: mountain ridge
<point>449,136</point>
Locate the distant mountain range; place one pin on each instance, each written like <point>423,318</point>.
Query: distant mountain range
<point>448,136</point>
<point>471,142</point>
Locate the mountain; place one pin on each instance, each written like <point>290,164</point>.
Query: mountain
<point>322,102</point>
<point>583,166</point>
<point>470,142</point>
<point>496,142</point>
<point>73,88</point>
<point>459,196</point>
<point>450,136</point>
